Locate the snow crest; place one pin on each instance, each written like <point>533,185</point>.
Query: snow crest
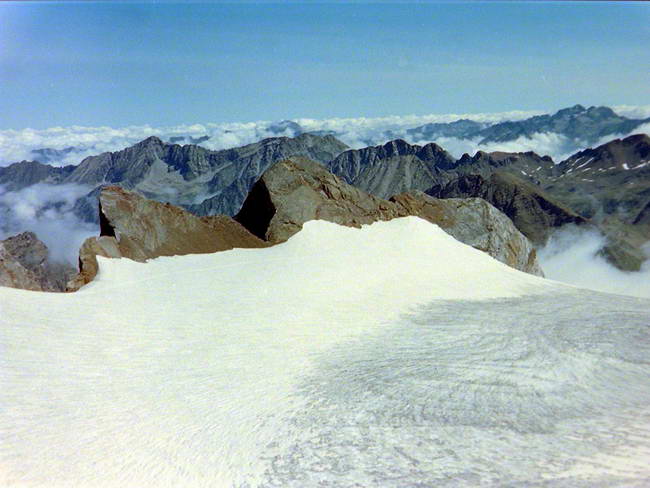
<point>341,356</point>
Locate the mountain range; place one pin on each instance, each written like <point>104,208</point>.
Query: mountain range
<point>575,123</point>
<point>570,129</point>
<point>607,186</point>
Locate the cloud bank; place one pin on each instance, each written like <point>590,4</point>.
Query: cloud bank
<point>46,210</point>
<point>71,145</point>
<point>17,145</point>
<point>633,111</point>
<point>571,256</point>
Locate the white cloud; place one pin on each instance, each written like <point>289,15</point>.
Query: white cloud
<point>571,256</point>
<point>46,210</point>
<point>555,145</point>
<point>633,111</point>
<point>16,145</point>
<point>363,131</point>
<point>642,129</point>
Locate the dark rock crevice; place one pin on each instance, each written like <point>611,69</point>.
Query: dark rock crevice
<point>105,227</point>
<point>257,211</point>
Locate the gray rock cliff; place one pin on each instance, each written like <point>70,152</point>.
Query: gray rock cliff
<point>394,167</point>
<point>532,211</point>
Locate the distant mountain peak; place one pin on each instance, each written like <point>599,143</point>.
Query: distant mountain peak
<point>150,141</point>
<point>399,147</point>
<point>576,109</point>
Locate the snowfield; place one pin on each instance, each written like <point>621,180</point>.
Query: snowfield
<point>387,356</point>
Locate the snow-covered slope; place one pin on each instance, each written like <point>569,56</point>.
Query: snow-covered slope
<point>390,355</point>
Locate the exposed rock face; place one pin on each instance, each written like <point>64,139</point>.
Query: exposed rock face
<point>24,264</point>
<point>205,182</point>
<point>526,166</point>
<point>610,180</point>
<point>609,185</point>
<point>297,190</point>
<point>476,223</point>
<point>533,212</point>
<point>134,227</point>
<point>13,274</point>
<point>393,168</point>
<point>642,219</point>
<point>105,246</point>
<point>245,165</point>
<point>625,247</point>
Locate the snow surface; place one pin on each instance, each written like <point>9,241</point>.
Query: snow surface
<point>642,164</point>
<point>387,356</point>
<point>585,163</point>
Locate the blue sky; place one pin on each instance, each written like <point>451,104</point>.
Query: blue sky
<point>117,64</point>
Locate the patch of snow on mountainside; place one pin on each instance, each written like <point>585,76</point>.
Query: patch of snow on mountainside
<point>390,355</point>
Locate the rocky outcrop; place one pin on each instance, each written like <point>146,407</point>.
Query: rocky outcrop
<point>25,263</point>
<point>608,185</point>
<point>297,190</point>
<point>13,274</point>
<point>105,246</point>
<point>532,211</point>
<point>137,228</point>
<point>475,222</point>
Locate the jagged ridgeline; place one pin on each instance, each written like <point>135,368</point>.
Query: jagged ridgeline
<point>577,123</point>
<point>289,194</point>
<point>607,186</point>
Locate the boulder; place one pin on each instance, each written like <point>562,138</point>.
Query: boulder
<point>297,190</point>
<point>25,263</point>
<point>137,228</point>
<point>14,275</point>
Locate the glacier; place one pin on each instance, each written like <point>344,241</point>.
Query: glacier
<point>389,356</point>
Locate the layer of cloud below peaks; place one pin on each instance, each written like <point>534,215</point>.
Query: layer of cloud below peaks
<point>17,145</point>
<point>571,256</point>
